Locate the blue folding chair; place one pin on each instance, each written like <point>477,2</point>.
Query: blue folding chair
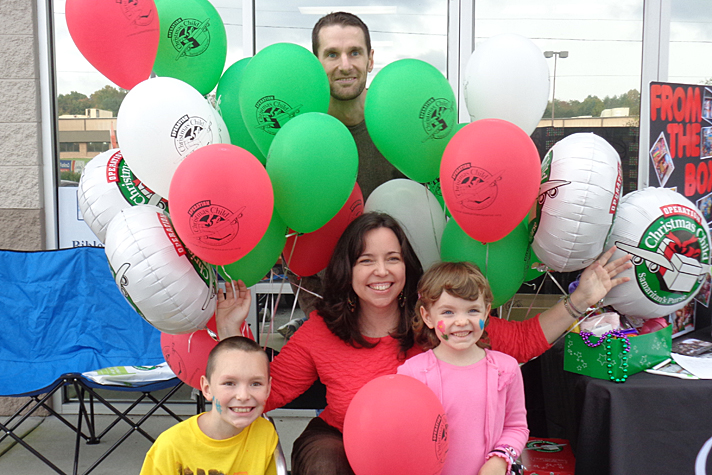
<point>62,315</point>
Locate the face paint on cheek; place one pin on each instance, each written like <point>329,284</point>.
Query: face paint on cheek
<point>441,327</point>
<point>217,406</point>
<point>482,324</point>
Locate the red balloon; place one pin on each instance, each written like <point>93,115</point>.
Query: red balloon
<point>312,251</point>
<point>221,202</point>
<point>395,424</point>
<point>119,38</point>
<point>489,176</point>
<point>187,353</point>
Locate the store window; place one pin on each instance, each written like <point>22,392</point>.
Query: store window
<point>69,146</point>
<point>97,146</point>
<point>398,29</point>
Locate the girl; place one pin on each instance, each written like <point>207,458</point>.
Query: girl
<point>481,389</point>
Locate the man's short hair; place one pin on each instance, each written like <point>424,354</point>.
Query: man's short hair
<point>343,19</point>
<point>233,343</point>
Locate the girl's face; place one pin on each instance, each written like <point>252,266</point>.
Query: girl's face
<point>457,322</point>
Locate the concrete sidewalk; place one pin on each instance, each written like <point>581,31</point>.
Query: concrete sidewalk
<point>56,441</point>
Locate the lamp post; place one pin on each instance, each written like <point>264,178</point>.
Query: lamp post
<point>556,55</point>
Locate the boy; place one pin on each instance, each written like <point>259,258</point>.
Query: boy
<point>232,438</point>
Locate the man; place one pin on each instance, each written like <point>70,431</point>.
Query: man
<point>342,43</point>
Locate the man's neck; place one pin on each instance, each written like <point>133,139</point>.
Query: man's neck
<point>350,113</point>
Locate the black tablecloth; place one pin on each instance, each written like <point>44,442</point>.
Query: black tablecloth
<point>650,424</point>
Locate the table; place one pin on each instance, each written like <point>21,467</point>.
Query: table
<point>650,424</point>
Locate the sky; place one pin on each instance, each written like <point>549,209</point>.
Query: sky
<point>603,38</point>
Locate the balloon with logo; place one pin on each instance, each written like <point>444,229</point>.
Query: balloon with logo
<point>507,78</point>
<point>395,424</point>
<point>312,180</point>
<point>280,82</point>
<point>221,202</point>
<point>503,262</point>
<point>411,113</point>
<point>119,39</point>
<point>669,241</point>
<point>417,210</point>
<point>106,187</point>
<point>489,177</point>
<point>580,188</point>
<point>193,43</point>
<point>257,263</point>
<point>160,122</point>
<point>228,102</point>
<point>162,280</point>
<point>307,254</point>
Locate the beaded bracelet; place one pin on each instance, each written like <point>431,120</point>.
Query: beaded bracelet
<point>506,452</point>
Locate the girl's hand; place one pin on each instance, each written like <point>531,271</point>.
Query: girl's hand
<point>494,466</point>
<point>233,307</point>
<point>598,279</point>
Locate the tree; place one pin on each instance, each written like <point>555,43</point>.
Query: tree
<point>109,98</point>
<point>73,103</point>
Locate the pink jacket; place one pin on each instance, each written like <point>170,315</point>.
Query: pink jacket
<point>505,418</point>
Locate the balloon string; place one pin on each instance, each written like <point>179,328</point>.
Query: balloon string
<point>487,258</point>
<point>190,340</point>
<point>432,219</point>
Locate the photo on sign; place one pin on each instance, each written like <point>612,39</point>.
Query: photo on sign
<point>707,105</point>
<point>662,162</point>
<point>703,296</point>
<point>706,142</point>
<point>683,320</point>
<point>704,204</point>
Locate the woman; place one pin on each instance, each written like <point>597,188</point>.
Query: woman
<point>362,329</point>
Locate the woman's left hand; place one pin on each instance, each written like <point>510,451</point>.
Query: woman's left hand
<point>599,278</point>
<point>233,307</point>
<point>494,466</point>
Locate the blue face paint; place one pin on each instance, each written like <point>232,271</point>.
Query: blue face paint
<point>216,403</point>
<point>482,324</point>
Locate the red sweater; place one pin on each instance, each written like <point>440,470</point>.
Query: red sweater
<point>314,352</point>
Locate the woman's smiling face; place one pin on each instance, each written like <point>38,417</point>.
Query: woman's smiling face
<point>378,276</point>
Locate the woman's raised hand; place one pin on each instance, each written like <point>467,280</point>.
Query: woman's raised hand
<point>599,278</point>
<point>233,307</point>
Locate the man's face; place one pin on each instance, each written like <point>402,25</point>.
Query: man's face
<point>342,52</point>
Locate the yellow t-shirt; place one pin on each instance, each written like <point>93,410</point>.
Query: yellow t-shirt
<point>185,450</point>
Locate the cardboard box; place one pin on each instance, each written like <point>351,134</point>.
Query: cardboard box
<point>548,457</point>
<point>645,352</point>
<point>518,308</point>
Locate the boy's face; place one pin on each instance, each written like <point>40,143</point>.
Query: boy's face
<point>457,322</point>
<point>238,389</point>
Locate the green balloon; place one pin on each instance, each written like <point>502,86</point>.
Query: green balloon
<point>228,99</point>
<point>411,114</point>
<point>502,262</point>
<point>281,81</point>
<point>193,43</point>
<point>257,263</point>
<point>531,270</point>
<point>313,164</point>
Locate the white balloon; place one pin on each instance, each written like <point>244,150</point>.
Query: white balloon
<point>223,133</point>
<point>169,287</point>
<point>160,122</point>
<point>507,78</point>
<point>670,243</point>
<point>578,196</point>
<point>106,187</point>
<point>418,212</point>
